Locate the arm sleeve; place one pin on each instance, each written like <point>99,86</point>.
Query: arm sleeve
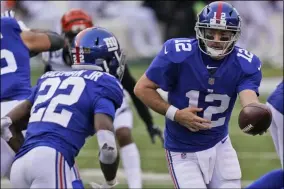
<point>32,96</point>
<point>162,70</point>
<point>251,82</point>
<point>128,83</point>
<point>11,23</point>
<point>251,76</point>
<point>104,106</point>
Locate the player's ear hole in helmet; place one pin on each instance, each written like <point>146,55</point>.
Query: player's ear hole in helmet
<point>98,49</point>
<point>218,28</point>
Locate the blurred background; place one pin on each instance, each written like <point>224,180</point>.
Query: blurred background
<point>142,27</point>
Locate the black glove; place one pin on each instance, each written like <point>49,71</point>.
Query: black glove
<point>155,131</point>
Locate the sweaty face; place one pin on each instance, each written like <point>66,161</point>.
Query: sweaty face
<point>217,39</point>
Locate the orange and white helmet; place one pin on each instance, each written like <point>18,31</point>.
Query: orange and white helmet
<point>74,21</point>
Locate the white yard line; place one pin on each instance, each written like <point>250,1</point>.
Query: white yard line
<point>152,155</point>
<point>95,175</point>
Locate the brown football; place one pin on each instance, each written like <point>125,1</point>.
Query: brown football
<point>255,118</point>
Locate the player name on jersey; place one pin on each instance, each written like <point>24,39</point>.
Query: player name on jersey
<point>95,75</point>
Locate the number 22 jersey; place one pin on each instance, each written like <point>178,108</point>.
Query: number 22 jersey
<point>180,69</point>
<point>64,104</point>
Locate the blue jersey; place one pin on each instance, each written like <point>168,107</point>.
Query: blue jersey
<point>64,104</point>
<point>276,98</point>
<point>15,62</point>
<point>180,69</point>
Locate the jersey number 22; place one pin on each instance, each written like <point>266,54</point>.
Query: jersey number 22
<point>46,113</point>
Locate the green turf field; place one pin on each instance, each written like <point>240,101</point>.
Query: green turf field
<point>256,154</point>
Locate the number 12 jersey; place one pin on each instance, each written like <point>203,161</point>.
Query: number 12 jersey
<point>180,69</point>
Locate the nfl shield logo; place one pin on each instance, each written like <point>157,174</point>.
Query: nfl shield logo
<point>211,81</point>
<point>183,155</point>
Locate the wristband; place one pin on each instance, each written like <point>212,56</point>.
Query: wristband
<point>171,112</point>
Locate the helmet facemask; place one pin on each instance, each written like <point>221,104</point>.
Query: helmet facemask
<point>229,35</point>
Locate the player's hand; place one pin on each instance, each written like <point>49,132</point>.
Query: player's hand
<point>11,14</point>
<point>154,132</point>
<point>188,118</point>
<point>6,134</point>
<point>8,13</point>
<point>105,185</point>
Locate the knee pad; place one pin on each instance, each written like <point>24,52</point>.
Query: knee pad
<point>107,145</point>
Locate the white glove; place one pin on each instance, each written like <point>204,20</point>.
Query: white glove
<point>8,13</point>
<point>105,185</point>
<point>11,14</point>
<point>6,134</point>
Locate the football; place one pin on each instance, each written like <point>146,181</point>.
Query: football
<point>255,118</point>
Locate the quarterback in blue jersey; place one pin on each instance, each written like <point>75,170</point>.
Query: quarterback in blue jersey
<point>65,108</point>
<point>203,77</point>
<point>17,44</point>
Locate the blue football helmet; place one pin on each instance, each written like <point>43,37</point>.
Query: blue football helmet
<point>98,49</point>
<point>219,16</point>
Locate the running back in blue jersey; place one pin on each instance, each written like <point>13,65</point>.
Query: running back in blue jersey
<point>15,62</point>
<point>64,104</point>
<point>181,69</point>
<point>276,98</point>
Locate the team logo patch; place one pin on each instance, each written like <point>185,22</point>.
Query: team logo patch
<point>211,81</point>
<point>183,155</point>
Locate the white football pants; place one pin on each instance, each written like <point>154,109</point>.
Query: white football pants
<point>123,116</point>
<point>217,167</point>
<point>276,131</point>
<point>41,167</point>
<point>7,154</point>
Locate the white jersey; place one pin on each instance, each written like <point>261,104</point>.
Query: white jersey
<point>55,60</point>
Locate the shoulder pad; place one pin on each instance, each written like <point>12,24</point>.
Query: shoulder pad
<point>9,23</point>
<point>112,89</point>
<point>178,49</point>
<point>248,62</point>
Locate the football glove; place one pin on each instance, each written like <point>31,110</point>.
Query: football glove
<point>6,134</point>
<point>8,13</point>
<point>154,132</point>
<point>11,14</point>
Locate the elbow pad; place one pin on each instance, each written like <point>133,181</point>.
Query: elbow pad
<point>56,41</point>
<point>107,145</point>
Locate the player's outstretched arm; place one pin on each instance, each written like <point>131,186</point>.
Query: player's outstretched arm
<point>13,123</point>
<point>108,156</point>
<point>248,97</point>
<point>146,90</point>
<point>42,40</point>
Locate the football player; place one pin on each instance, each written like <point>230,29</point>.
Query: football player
<point>73,22</point>
<point>203,77</point>
<point>65,108</point>
<point>17,44</point>
<point>275,103</point>
<point>274,179</point>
